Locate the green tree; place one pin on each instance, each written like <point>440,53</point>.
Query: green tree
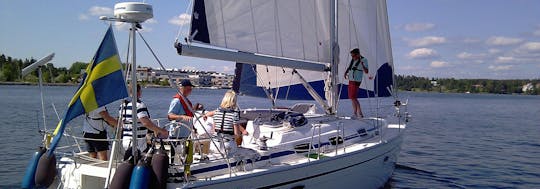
<point>77,67</point>
<point>9,72</point>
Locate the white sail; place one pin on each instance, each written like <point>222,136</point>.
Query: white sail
<point>298,29</point>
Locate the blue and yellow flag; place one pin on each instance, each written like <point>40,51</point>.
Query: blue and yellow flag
<point>102,84</point>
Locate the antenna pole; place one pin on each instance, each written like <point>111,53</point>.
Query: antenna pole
<point>40,75</point>
<point>134,93</point>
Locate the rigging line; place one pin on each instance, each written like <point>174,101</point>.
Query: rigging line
<point>377,62</point>
<point>181,27</point>
<point>289,87</point>
<point>301,30</point>
<point>389,47</point>
<point>266,91</point>
<point>358,44</point>
<point>279,29</point>
<point>223,22</point>
<point>172,85</point>
<point>316,29</point>
<point>253,24</point>
<point>279,39</point>
<point>349,58</point>
<point>126,70</point>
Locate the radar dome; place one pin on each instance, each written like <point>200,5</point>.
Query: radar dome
<point>135,12</point>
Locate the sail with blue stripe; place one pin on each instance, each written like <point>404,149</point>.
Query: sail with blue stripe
<point>299,30</point>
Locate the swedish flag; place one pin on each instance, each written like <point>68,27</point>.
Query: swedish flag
<point>102,84</point>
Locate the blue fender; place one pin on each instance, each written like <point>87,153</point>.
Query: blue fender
<point>28,179</point>
<point>141,176</point>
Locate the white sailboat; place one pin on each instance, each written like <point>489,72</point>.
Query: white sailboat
<point>283,50</point>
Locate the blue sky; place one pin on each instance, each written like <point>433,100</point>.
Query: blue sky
<point>496,39</point>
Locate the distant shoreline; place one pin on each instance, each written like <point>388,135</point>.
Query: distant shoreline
<point>72,84</point>
<point>31,83</point>
<point>158,86</point>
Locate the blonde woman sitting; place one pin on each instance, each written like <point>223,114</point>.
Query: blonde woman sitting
<point>226,118</point>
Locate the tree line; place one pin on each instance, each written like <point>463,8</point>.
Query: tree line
<point>512,86</point>
<point>11,71</point>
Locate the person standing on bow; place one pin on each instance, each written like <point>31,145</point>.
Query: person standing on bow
<point>354,73</point>
<point>95,132</point>
<point>143,123</point>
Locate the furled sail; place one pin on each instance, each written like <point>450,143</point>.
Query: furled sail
<point>297,29</point>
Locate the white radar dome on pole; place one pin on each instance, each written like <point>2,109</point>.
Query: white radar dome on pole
<point>134,12</point>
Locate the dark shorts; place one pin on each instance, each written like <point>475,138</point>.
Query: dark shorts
<point>96,146</point>
<point>353,89</point>
<point>225,132</point>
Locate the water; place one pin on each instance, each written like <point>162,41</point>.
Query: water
<point>453,141</point>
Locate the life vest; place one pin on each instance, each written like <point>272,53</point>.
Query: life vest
<point>185,105</point>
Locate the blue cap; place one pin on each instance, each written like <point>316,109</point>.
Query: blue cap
<point>185,83</point>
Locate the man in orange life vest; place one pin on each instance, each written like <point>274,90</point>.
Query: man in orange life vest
<point>179,110</point>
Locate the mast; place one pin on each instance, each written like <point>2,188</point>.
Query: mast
<point>332,80</point>
<point>133,13</point>
<point>134,125</point>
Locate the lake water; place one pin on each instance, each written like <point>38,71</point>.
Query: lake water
<point>453,140</point>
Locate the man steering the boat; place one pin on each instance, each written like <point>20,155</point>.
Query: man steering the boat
<point>180,108</point>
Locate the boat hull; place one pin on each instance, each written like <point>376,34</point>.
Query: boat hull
<point>366,162</point>
<point>367,168</point>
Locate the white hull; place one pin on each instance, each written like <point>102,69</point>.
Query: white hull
<point>362,161</point>
<point>369,168</point>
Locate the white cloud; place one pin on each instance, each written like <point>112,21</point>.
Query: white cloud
<point>408,68</point>
<point>189,68</point>
<point>151,21</point>
<point>83,17</point>
<point>537,32</point>
<point>505,59</point>
<point>146,26</point>
<point>466,55</point>
<point>426,41</point>
<point>502,41</point>
<point>180,20</point>
<point>100,11</point>
<point>494,51</point>
<point>415,27</point>
<point>122,26</point>
<point>228,69</point>
<point>423,53</point>
<point>96,11</point>
<point>529,47</point>
<point>500,68</point>
<point>471,40</point>
<point>439,64</point>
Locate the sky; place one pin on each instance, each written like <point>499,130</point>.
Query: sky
<point>492,39</point>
